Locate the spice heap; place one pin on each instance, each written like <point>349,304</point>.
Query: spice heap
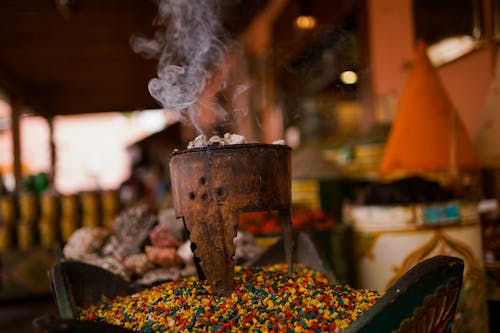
<point>264,299</point>
<point>145,247</point>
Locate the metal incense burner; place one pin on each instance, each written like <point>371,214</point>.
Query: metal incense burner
<point>212,185</point>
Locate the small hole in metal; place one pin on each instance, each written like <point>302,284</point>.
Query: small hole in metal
<point>192,195</point>
<point>203,180</point>
<point>220,192</point>
<point>204,197</point>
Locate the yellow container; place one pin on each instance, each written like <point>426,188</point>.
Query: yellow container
<point>90,209</point>
<point>25,235</point>
<point>49,205</point>
<point>110,207</point>
<point>47,226</point>
<point>7,210</point>
<point>6,237</point>
<point>28,206</point>
<point>69,216</point>
<point>68,226</point>
<point>48,234</point>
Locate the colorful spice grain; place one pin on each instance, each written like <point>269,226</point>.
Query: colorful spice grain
<point>264,299</point>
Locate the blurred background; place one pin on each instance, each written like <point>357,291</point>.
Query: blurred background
<point>384,104</point>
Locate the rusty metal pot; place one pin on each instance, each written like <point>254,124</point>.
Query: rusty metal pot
<point>212,185</point>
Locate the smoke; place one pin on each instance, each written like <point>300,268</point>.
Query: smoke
<point>241,108</point>
<point>189,48</point>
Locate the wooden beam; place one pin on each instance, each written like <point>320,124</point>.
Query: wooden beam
<point>19,99</point>
<point>16,143</point>
<point>53,152</point>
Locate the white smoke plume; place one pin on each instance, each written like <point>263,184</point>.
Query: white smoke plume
<point>189,49</point>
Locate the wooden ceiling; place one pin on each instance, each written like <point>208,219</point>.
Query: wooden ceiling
<point>78,62</point>
<point>77,59</point>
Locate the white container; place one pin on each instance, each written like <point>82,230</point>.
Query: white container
<point>389,240</point>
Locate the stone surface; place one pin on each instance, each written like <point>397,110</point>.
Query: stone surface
<point>246,247</point>
<point>85,241</point>
<point>108,263</point>
<point>161,236</point>
<point>138,264</point>
<point>176,226</point>
<point>130,232</point>
<point>163,256</point>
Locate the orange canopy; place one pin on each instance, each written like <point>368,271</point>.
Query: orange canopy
<point>421,135</point>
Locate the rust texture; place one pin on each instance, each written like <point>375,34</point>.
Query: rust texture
<point>211,186</point>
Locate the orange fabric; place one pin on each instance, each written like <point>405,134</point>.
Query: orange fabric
<point>421,133</point>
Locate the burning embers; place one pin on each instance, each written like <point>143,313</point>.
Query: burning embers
<point>212,185</point>
<point>228,139</point>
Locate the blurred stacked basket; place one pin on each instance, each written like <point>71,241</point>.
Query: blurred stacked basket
<point>33,227</point>
<point>32,220</point>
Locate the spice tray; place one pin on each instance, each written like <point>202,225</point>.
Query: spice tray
<point>428,289</point>
<point>76,284</point>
